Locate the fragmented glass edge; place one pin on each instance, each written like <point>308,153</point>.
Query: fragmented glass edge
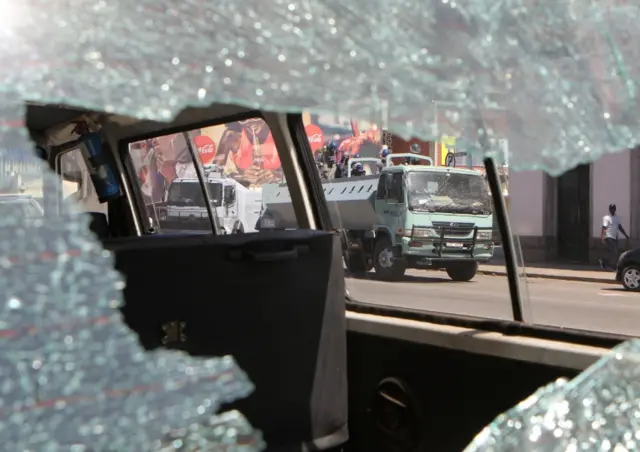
<point>72,375</point>
<point>557,80</point>
<point>597,410</point>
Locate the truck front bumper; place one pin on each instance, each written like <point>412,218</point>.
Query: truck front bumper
<point>185,224</point>
<point>428,250</point>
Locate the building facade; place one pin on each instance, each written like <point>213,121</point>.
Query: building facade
<point>560,219</point>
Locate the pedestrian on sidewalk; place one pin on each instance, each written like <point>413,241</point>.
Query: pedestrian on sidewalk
<point>611,228</point>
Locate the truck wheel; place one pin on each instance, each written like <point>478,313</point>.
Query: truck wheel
<point>631,278</point>
<point>462,271</point>
<point>356,264</point>
<point>386,266</point>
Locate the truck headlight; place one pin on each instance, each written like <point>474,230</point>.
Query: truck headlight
<point>484,235</point>
<point>422,233</point>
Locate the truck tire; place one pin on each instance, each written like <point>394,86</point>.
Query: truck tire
<point>356,264</point>
<point>462,271</point>
<point>387,268</point>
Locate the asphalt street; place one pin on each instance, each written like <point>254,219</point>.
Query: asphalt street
<point>572,304</point>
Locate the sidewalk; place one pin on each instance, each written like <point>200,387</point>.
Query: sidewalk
<point>566,272</point>
<point>562,272</point>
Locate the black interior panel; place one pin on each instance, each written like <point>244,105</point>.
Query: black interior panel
<point>273,300</point>
<point>99,225</point>
<point>449,396</point>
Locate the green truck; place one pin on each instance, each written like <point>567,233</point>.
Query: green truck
<point>409,216</point>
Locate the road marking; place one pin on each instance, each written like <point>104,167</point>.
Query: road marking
<point>611,294</point>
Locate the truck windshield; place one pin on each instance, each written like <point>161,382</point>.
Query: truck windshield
<point>189,193</point>
<point>448,192</point>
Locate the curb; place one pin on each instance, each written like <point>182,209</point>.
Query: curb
<point>556,277</point>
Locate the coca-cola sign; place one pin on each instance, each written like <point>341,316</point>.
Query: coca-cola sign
<point>315,136</point>
<point>206,149</point>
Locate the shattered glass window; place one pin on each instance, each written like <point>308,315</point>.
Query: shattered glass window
<point>20,208</point>
<point>540,86</point>
<point>437,192</point>
<point>597,410</point>
<point>73,374</point>
<point>560,76</point>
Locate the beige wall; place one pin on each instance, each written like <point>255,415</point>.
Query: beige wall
<point>526,196</point>
<point>611,183</point>
<point>533,212</point>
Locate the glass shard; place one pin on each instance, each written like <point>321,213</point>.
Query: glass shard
<point>558,80</point>
<point>597,410</point>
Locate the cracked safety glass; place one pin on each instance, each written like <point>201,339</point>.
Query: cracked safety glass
<point>597,410</point>
<point>74,376</point>
<point>561,77</point>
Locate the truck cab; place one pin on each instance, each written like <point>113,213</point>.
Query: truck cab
<point>431,217</point>
<point>237,207</point>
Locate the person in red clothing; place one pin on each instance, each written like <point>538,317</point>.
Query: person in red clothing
<point>364,143</point>
<point>250,152</point>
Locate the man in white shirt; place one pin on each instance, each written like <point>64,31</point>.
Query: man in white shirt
<point>611,228</point>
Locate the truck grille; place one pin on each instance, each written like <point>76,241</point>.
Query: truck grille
<point>453,229</point>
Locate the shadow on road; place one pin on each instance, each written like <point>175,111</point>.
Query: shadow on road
<point>371,276</point>
<point>617,289</point>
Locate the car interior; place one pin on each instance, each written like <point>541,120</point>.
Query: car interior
<point>331,372</point>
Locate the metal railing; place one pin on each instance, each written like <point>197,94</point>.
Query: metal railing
<point>452,234</point>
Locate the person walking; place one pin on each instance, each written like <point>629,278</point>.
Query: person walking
<point>611,228</point>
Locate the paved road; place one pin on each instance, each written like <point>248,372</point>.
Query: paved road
<point>591,306</point>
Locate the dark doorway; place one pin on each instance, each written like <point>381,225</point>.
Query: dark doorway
<point>574,214</point>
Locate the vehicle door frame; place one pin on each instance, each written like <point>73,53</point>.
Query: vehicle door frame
<point>291,151</point>
<point>53,159</point>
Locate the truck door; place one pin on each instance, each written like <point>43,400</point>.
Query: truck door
<point>381,199</point>
<point>394,201</point>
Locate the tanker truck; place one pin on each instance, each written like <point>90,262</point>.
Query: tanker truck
<point>408,216</point>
